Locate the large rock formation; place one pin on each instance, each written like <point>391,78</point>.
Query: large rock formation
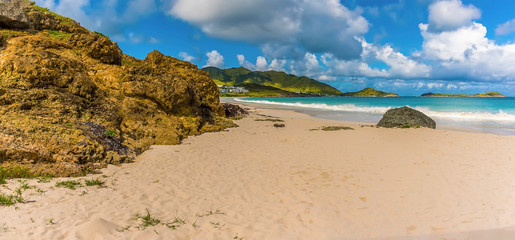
<point>406,117</point>
<point>70,100</point>
<point>13,15</point>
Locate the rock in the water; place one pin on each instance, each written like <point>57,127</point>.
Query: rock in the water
<point>233,110</point>
<point>406,117</point>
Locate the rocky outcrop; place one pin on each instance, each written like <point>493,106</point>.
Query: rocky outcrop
<point>405,117</point>
<point>13,15</point>
<point>233,110</point>
<point>98,47</point>
<point>71,101</point>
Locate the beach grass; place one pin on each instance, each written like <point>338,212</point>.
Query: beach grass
<point>45,179</point>
<point>336,128</point>
<point>94,182</point>
<point>9,200</point>
<point>147,220</point>
<point>176,223</point>
<point>332,128</point>
<point>70,184</point>
<point>14,172</point>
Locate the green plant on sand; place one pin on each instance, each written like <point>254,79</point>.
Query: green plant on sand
<point>332,128</point>
<point>94,182</point>
<point>147,221</point>
<point>14,172</point>
<point>9,200</point>
<point>70,184</point>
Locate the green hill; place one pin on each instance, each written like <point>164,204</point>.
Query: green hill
<point>370,92</point>
<point>277,80</point>
<point>258,90</point>
<point>486,94</point>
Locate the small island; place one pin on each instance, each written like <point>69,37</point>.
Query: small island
<point>486,94</point>
<point>370,92</point>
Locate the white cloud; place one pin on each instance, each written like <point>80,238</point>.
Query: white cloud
<point>308,66</point>
<point>215,59</point>
<point>399,66</point>
<point>241,59</point>
<point>324,77</point>
<point>262,64</point>
<point>467,53</point>
<point>277,65</point>
<point>451,14</point>
<point>186,57</point>
<point>136,38</point>
<point>153,40</point>
<point>283,28</point>
<point>506,28</point>
<point>311,61</point>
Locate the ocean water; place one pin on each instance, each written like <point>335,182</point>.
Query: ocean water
<point>494,115</point>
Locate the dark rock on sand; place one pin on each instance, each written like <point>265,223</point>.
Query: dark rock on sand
<point>233,110</point>
<point>406,117</point>
<point>279,125</point>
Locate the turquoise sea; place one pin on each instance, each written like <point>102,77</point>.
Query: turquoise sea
<point>494,115</point>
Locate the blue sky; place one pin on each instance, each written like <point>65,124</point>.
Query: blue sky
<point>405,46</point>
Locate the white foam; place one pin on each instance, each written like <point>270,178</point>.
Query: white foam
<point>470,116</point>
<point>457,116</point>
<point>322,106</point>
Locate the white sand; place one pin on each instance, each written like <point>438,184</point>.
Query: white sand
<point>290,183</point>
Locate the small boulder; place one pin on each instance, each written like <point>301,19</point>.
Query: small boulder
<point>406,117</point>
<point>233,110</point>
<point>279,125</point>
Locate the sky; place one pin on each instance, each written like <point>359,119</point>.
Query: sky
<point>404,46</point>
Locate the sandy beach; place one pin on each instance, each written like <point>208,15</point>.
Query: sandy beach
<point>297,182</point>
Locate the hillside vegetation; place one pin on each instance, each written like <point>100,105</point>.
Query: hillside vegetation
<point>370,92</point>
<point>253,80</point>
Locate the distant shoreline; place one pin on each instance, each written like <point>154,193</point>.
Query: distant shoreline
<point>486,94</point>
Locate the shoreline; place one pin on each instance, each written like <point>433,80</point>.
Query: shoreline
<point>334,115</point>
<point>297,182</point>
<point>317,114</point>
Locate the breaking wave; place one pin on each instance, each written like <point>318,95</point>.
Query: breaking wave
<point>459,116</point>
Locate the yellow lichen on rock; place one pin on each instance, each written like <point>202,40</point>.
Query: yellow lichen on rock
<point>71,101</point>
